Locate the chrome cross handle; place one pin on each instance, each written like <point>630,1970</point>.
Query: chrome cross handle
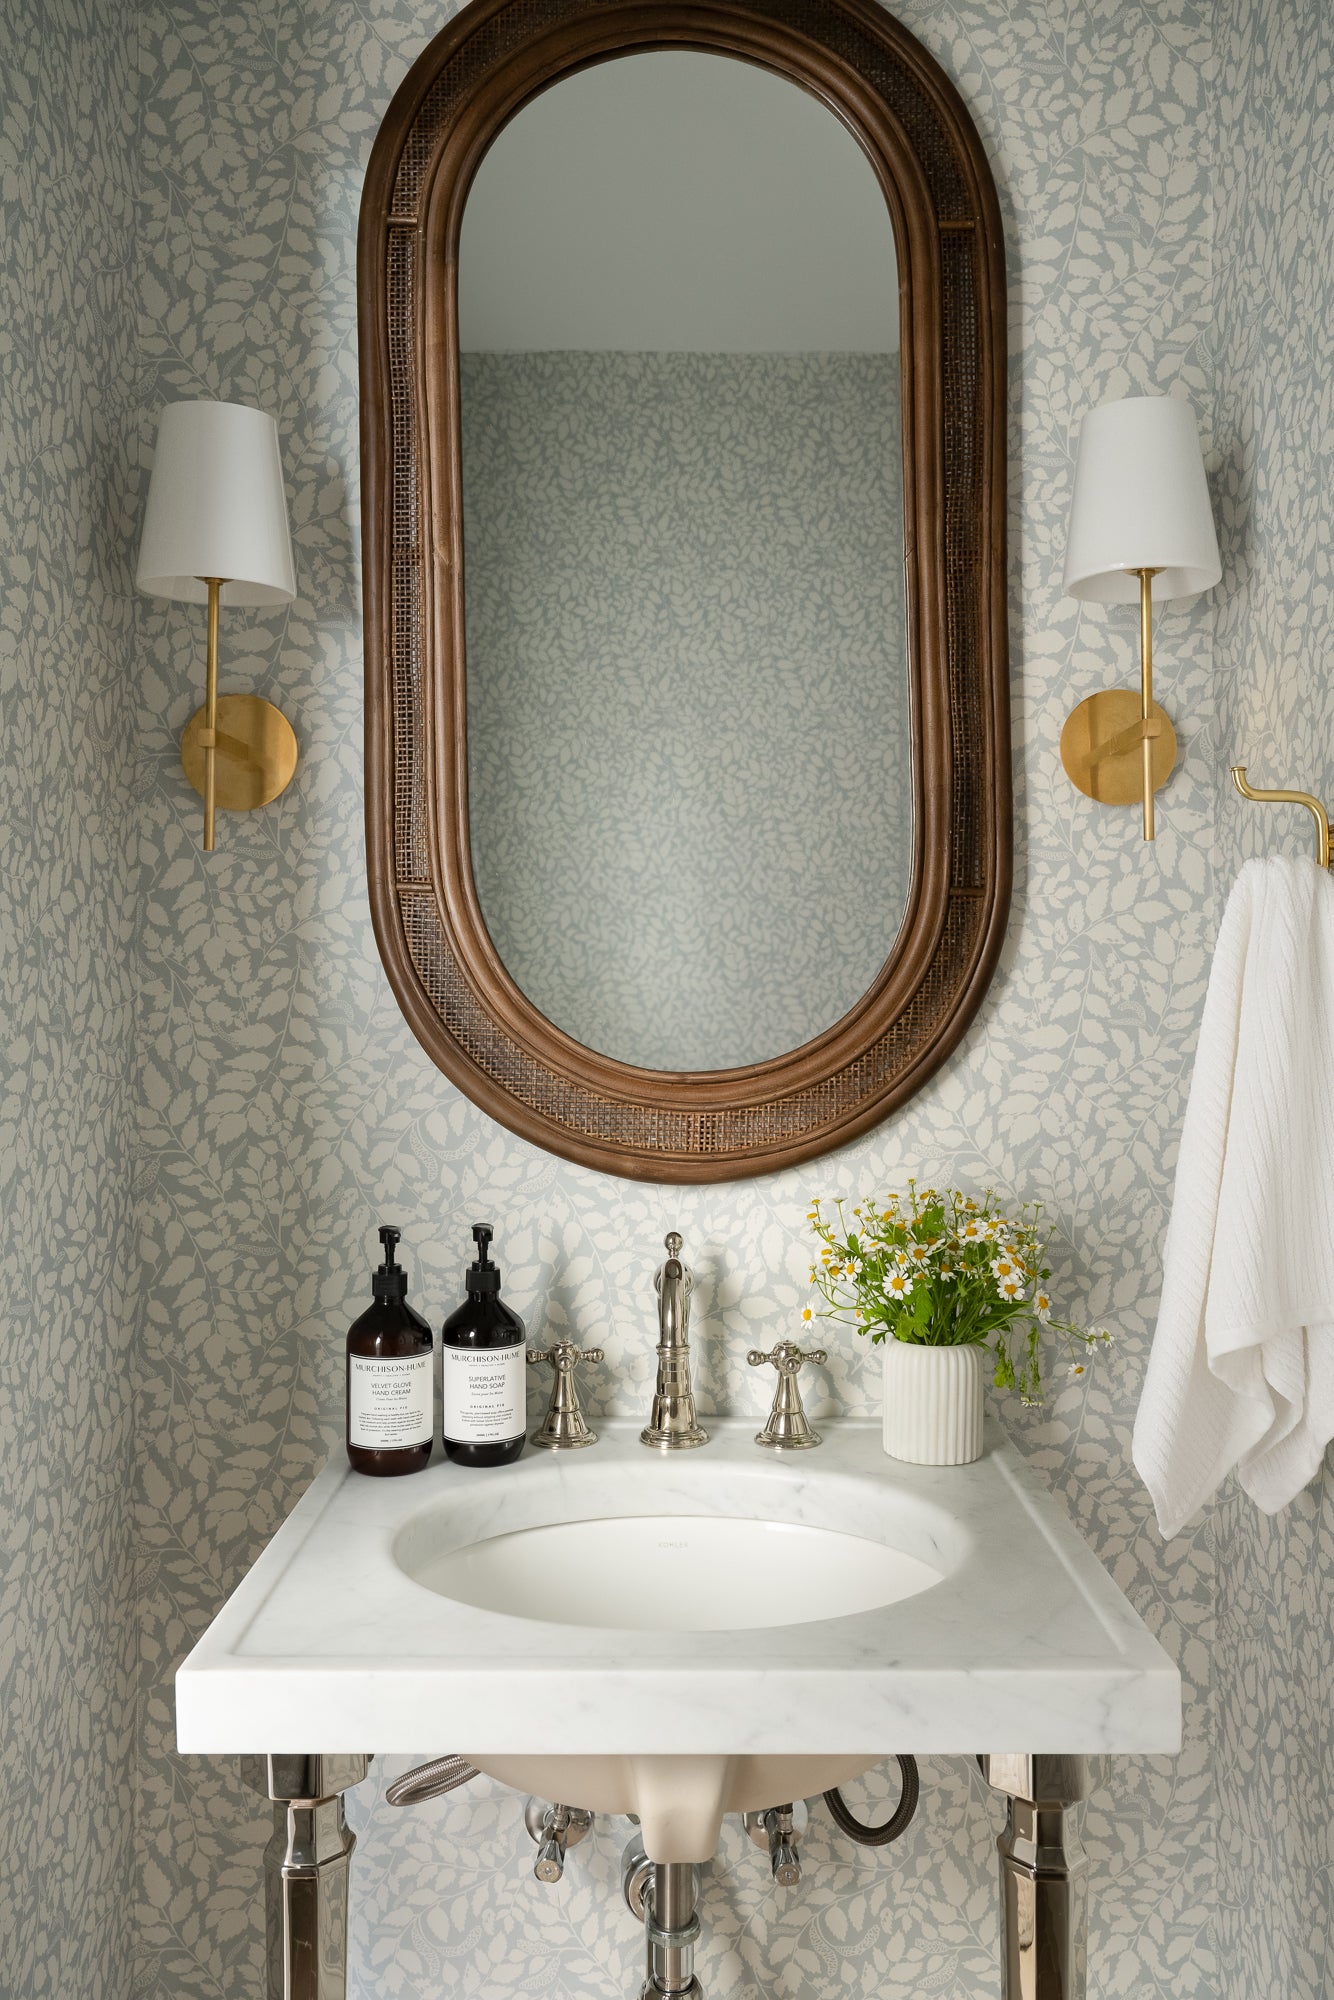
<point>788,1428</point>
<point>563,1428</point>
<point>780,1830</point>
<point>555,1829</point>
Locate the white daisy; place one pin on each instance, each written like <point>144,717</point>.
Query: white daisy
<point>898,1285</point>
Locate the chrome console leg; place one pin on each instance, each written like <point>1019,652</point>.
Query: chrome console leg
<point>1043,1878</point>
<point>306,1870</point>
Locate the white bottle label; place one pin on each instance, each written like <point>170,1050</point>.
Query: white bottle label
<point>483,1388</point>
<point>389,1400</point>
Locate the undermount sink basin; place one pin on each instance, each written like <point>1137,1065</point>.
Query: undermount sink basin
<point>672,1573</point>
<point>684,1635</point>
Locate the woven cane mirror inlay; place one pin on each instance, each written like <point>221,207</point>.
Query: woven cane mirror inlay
<point>475,1024</point>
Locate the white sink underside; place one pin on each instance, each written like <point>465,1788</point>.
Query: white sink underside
<point>680,1801</point>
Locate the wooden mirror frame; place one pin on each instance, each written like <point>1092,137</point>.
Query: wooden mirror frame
<point>461,1003</point>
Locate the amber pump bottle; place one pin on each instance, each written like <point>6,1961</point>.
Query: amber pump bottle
<point>482,1366</point>
<point>390,1377</point>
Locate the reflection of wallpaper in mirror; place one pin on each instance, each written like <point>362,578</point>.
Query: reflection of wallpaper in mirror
<point>687,706</point>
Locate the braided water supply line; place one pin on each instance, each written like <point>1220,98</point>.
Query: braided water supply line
<point>430,1781</point>
<point>898,1821</point>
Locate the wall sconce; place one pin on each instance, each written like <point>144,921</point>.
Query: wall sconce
<point>215,524</point>
<point>1140,525</point>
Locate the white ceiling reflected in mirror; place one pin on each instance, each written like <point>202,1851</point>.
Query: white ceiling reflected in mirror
<point>689,753</point>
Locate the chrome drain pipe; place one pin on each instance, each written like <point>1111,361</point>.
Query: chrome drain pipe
<point>671,1930</point>
<point>663,1896</point>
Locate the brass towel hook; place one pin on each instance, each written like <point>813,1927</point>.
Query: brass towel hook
<point>1291,799</point>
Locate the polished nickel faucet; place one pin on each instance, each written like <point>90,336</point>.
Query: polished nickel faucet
<point>672,1425</point>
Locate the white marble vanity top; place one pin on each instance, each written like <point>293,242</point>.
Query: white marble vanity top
<point>1025,1644</point>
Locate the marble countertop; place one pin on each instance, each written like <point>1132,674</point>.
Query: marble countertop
<point>1025,1645</point>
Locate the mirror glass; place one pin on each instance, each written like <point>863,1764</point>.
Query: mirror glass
<point>689,758</point>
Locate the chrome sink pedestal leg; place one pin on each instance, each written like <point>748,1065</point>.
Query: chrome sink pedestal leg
<point>1043,1878</point>
<point>306,1869</point>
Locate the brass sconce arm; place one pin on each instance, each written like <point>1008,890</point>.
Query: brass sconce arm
<point>1117,747</point>
<point>1146,577</point>
<point>257,749</point>
<point>208,735</point>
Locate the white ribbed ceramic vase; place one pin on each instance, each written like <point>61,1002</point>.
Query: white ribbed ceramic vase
<point>933,1403</point>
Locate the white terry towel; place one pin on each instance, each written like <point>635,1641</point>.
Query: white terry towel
<point>1242,1367</point>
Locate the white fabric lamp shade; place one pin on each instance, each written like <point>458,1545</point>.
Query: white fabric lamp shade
<point>216,507</point>
<point>1141,501</point>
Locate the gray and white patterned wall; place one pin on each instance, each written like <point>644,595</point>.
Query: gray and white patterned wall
<point>1274,224</point>
<point>283,1108</point>
<point>67,880</point>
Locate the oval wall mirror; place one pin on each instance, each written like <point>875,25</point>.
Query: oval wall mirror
<point>689,769</point>
<point>687,741</point>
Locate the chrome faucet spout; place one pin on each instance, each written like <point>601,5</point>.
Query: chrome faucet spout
<point>672,1424</point>
<point>673,1284</point>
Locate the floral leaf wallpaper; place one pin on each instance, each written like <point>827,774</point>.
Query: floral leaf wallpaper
<point>210,1098</point>
<point>1274,222</point>
<point>67,884</point>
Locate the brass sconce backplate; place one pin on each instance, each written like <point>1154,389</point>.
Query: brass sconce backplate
<point>1102,747</point>
<point>256,752</point>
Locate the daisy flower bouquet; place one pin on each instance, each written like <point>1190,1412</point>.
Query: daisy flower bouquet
<point>940,1269</point>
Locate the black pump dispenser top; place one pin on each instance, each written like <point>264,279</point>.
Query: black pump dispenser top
<point>390,1281</point>
<point>483,1279</point>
